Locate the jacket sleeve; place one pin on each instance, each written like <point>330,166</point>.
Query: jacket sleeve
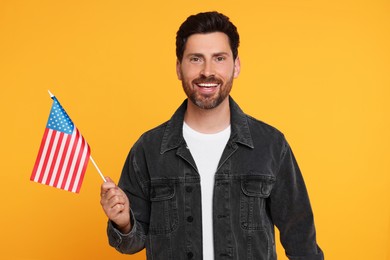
<point>134,183</point>
<point>291,210</point>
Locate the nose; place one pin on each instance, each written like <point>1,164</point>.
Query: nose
<point>208,69</point>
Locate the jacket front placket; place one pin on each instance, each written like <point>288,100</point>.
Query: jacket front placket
<point>192,205</point>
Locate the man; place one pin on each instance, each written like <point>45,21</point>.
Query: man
<point>212,182</point>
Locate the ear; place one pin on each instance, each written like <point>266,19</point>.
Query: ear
<point>237,67</point>
<point>178,70</point>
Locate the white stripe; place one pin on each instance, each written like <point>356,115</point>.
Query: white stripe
<point>43,155</point>
<point>66,161</point>
<point>52,152</point>
<point>58,160</point>
<point>81,166</point>
<point>75,155</point>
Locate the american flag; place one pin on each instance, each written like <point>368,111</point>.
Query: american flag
<point>63,155</point>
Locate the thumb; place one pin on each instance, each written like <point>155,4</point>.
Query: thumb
<point>109,184</point>
<point>108,179</point>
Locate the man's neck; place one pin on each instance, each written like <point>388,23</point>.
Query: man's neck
<point>208,121</point>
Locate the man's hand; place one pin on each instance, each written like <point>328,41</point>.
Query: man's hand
<point>116,205</point>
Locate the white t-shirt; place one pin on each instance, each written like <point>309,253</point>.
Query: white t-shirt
<point>206,149</point>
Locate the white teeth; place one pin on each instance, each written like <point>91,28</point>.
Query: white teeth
<point>208,85</point>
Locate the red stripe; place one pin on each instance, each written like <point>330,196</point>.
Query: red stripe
<point>39,154</point>
<point>71,158</point>
<point>78,160</point>
<point>53,163</point>
<point>49,151</point>
<point>62,160</point>
<point>79,164</point>
<point>84,168</point>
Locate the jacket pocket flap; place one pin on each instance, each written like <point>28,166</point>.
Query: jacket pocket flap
<point>162,191</point>
<point>257,186</point>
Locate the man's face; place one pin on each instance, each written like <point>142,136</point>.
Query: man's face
<point>207,69</point>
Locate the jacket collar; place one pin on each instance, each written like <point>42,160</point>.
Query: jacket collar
<point>173,134</point>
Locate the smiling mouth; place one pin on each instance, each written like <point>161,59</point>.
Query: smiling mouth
<point>207,85</point>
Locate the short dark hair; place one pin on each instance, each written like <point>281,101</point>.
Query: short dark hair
<point>207,22</point>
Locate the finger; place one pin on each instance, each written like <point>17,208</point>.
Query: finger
<point>112,196</point>
<point>116,214</point>
<point>113,212</point>
<point>117,199</point>
<point>112,192</point>
<point>105,187</point>
<point>118,208</point>
<point>115,206</point>
<point>108,179</point>
<point>109,205</point>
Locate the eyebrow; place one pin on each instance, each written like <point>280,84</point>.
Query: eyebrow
<point>202,55</point>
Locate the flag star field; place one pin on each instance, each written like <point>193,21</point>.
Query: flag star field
<point>59,119</point>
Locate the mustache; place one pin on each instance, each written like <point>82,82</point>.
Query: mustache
<point>210,79</point>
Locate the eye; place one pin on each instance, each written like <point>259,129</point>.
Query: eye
<point>195,59</point>
<point>220,58</point>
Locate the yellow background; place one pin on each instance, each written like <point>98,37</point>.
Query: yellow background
<point>317,70</point>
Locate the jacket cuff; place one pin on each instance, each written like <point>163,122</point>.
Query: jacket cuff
<point>116,237</point>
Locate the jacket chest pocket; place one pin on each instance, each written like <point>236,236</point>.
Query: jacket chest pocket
<point>255,189</point>
<point>163,212</point>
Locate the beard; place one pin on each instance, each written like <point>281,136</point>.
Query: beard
<point>205,101</point>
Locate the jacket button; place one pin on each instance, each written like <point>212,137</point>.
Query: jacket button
<point>188,189</point>
<point>190,255</point>
<point>190,219</point>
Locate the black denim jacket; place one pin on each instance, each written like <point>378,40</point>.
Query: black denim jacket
<point>257,185</point>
